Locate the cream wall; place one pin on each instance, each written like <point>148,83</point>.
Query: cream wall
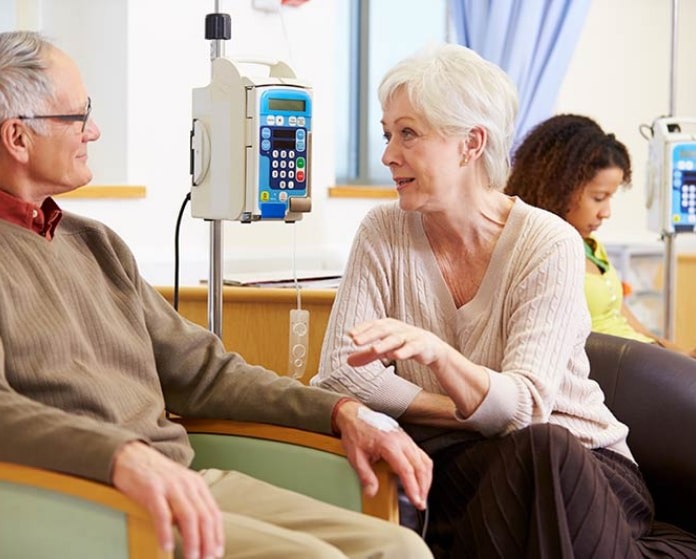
<point>141,58</point>
<point>620,75</point>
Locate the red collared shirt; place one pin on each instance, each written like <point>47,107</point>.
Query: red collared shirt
<point>42,220</point>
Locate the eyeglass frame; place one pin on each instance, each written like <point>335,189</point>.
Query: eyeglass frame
<point>83,117</point>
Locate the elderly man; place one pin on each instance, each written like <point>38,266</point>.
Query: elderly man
<point>91,355</point>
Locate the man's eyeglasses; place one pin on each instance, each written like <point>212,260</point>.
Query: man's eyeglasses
<point>83,118</point>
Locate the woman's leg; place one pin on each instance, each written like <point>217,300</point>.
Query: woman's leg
<point>539,493</point>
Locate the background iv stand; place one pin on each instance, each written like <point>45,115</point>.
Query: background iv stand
<point>670,283</point>
<point>671,182</point>
<point>250,151</point>
<point>218,28</point>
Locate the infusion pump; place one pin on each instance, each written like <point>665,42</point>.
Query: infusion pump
<point>671,176</point>
<point>251,143</point>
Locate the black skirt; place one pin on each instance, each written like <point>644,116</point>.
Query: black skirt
<point>538,493</point>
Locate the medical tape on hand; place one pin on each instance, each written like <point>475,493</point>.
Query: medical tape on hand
<point>377,420</point>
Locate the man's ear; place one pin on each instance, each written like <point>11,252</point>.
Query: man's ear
<point>15,140</point>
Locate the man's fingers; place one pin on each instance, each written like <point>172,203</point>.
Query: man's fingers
<point>423,480</point>
<point>199,519</point>
<point>414,469</point>
<point>189,520</point>
<point>215,527</point>
<point>367,476</point>
<point>161,513</point>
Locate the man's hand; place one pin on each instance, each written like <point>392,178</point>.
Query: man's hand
<point>174,495</point>
<point>366,444</point>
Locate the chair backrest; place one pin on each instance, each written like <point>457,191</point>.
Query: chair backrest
<point>653,391</point>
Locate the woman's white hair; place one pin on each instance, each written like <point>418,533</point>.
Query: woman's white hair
<point>456,90</point>
<point>25,87</point>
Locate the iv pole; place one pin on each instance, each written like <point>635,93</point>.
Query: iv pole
<point>668,237</point>
<point>218,28</point>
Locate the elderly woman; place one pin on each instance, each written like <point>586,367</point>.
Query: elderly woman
<point>462,314</point>
<point>569,166</point>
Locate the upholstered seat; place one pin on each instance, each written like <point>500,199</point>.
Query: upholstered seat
<point>653,391</point>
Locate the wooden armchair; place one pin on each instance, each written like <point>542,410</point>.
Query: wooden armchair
<point>302,461</point>
<point>48,514</point>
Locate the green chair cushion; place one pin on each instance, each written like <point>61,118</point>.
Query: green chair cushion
<point>322,475</point>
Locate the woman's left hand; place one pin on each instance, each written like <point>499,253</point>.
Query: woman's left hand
<point>391,339</point>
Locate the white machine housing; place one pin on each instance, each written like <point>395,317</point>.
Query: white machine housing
<point>671,176</point>
<point>233,137</point>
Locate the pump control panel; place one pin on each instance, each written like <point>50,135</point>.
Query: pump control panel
<point>282,123</point>
<point>671,188</point>
<point>251,143</point>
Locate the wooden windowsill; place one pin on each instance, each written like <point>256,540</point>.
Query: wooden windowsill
<point>93,192</point>
<point>360,191</point>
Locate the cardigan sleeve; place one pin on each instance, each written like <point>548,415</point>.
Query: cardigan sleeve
<point>366,293</point>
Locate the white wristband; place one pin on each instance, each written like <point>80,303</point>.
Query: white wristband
<point>377,420</point>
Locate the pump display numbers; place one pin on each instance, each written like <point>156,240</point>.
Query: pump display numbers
<point>297,105</point>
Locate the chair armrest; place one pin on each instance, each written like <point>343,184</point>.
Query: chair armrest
<point>304,461</point>
<point>50,514</point>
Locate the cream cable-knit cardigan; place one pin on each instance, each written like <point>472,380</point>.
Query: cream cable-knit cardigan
<point>527,324</point>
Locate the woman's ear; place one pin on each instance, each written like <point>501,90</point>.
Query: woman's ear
<point>477,141</point>
<point>473,146</point>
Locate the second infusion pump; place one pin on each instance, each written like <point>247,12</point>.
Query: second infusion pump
<point>250,144</point>
<point>671,177</point>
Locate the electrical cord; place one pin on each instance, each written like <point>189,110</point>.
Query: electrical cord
<point>426,519</point>
<point>176,250</point>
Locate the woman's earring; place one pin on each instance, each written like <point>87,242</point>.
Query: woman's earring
<point>464,161</point>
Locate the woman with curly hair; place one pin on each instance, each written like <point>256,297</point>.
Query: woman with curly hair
<point>569,166</point>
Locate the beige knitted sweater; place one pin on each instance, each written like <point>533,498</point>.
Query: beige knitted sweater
<point>527,324</point>
<point>90,355</point>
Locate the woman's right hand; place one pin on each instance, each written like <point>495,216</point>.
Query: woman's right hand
<point>390,339</point>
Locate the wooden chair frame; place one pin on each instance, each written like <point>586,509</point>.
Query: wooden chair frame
<point>140,531</point>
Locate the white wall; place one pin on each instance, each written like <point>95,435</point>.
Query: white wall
<point>141,58</point>
<point>620,75</point>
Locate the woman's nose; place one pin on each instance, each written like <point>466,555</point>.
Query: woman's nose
<point>389,154</point>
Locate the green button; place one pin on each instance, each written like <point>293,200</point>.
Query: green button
<point>300,162</point>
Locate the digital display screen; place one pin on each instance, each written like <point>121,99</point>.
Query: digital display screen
<point>284,144</point>
<point>284,133</point>
<point>276,104</point>
<point>687,154</point>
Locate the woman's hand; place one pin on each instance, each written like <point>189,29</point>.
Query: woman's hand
<point>390,339</point>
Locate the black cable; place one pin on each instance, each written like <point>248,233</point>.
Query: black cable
<point>176,251</point>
